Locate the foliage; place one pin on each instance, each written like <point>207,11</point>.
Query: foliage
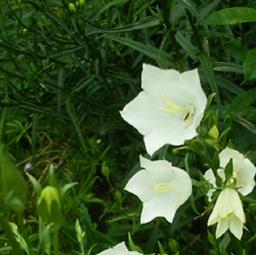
<point>68,68</point>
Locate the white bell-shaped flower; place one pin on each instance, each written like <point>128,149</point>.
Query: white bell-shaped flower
<point>119,249</point>
<point>228,213</point>
<point>161,187</point>
<point>169,109</point>
<point>243,171</point>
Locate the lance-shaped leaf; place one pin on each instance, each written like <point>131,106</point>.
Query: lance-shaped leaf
<point>13,188</point>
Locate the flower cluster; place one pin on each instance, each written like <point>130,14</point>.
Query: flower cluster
<point>169,110</point>
<point>228,211</point>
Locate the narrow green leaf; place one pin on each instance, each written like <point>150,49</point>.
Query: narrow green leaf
<point>75,122</point>
<point>108,6</point>
<point>187,46</point>
<point>132,245</point>
<point>229,169</point>
<point>250,65</point>
<point>227,67</point>
<point>160,56</point>
<point>36,184</point>
<point>146,23</point>
<point>208,69</point>
<point>241,102</point>
<point>12,183</point>
<point>22,242</point>
<point>233,15</point>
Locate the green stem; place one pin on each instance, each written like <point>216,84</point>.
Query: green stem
<point>56,241</point>
<point>2,122</point>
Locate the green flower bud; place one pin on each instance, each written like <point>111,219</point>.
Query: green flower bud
<point>49,206</point>
<point>72,7</point>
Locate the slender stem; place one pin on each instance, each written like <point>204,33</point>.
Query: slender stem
<point>55,241</point>
<point>2,122</point>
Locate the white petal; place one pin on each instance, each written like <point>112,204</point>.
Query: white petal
<point>209,176</point>
<point>175,135</point>
<point>236,228</point>
<point>182,88</point>
<point>141,185</point>
<point>222,227</point>
<point>159,82</point>
<point>214,217</point>
<point>191,80</point>
<point>243,167</point>
<point>148,112</point>
<point>161,187</point>
<point>144,113</point>
<point>116,250</point>
<point>181,184</point>
<point>228,212</point>
<point>238,208</point>
<point>223,206</point>
<point>159,207</point>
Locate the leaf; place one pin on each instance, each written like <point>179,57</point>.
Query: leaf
<point>146,23</point>
<point>250,65</point>
<point>12,183</point>
<point>132,245</point>
<point>22,242</point>
<point>80,234</point>
<point>187,46</point>
<point>229,169</point>
<point>160,56</point>
<point>233,15</point>
<point>36,184</point>
<point>66,187</point>
<point>241,102</point>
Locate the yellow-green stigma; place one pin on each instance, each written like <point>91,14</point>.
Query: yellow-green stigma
<point>162,187</point>
<point>187,111</point>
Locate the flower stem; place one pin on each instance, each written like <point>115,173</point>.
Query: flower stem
<point>56,241</point>
<point>2,122</point>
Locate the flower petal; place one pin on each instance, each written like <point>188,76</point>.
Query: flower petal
<point>144,113</point>
<point>243,168</point>
<point>161,187</point>
<point>169,109</point>
<point>209,176</point>
<point>167,135</point>
<point>222,227</point>
<point>236,228</point>
<point>179,87</point>
<point>141,185</point>
<point>159,207</point>
<point>119,249</point>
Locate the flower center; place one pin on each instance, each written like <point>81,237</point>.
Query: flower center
<point>187,112</point>
<point>229,217</point>
<point>235,178</point>
<point>162,187</point>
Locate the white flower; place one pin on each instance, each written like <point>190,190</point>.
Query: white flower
<point>169,109</point>
<point>161,187</point>
<point>119,249</point>
<point>228,213</point>
<point>243,171</point>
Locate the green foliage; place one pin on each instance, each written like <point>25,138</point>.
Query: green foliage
<point>67,69</point>
<point>249,65</point>
<point>234,15</point>
<point>13,189</point>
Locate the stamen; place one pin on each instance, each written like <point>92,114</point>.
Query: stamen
<point>187,111</point>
